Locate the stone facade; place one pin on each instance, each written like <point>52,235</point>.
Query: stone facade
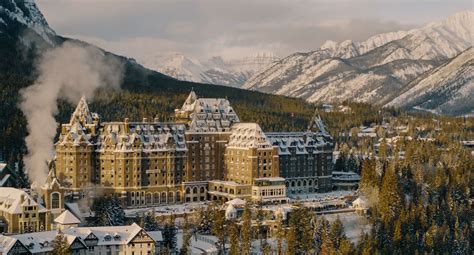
<point>151,163</point>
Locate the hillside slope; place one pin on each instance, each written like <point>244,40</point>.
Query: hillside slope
<point>25,34</point>
<point>448,89</point>
<point>372,71</point>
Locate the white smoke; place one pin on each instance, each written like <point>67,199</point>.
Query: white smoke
<point>66,72</point>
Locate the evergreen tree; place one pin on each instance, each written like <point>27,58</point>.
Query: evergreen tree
<point>260,228</point>
<point>219,229</point>
<point>108,211</point>
<point>390,196</point>
<point>321,233</point>
<point>149,222</point>
<point>246,231</point>
<point>291,242</point>
<point>336,234</point>
<point>60,244</point>
<point>340,164</point>
<point>186,236</point>
<point>352,164</point>
<point>280,235</point>
<point>169,235</point>
<point>205,217</point>
<point>234,239</point>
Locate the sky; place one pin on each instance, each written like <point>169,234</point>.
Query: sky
<point>235,29</point>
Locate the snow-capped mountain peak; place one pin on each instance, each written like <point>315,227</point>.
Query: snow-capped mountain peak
<point>214,70</point>
<point>371,71</point>
<point>25,14</point>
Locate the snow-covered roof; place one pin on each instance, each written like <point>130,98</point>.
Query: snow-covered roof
<point>360,202</point>
<point>111,235</point>
<point>248,135</point>
<point>208,114</point>
<point>230,209</point>
<point>6,243</point>
<point>299,142</point>
<point>236,202</point>
<point>155,235</point>
<point>67,218</point>
<point>81,114</point>
<point>148,136</point>
<point>42,242</point>
<point>12,200</point>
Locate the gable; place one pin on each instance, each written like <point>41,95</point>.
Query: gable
<point>142,237</point>
<point>18,248</point>
<point>91,237</point>
<point>77,245</point>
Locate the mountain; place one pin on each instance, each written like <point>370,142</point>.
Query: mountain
<point>372,71</point>
<point>447,89</point>
<point>213,71</point>
<point>25,35</point>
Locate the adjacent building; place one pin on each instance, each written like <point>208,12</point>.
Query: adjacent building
<point>130,239</point>
<point>305,158</point>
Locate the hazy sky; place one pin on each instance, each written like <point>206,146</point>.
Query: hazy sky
<point>235,28</point>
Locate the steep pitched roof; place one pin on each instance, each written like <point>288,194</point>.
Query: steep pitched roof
<point>248,135</point>
<point>82,113</point>
<point>12,199</point>
<point>208,114</point>
<point>67,218</point>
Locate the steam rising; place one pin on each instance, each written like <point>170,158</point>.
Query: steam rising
<point>66,72</point>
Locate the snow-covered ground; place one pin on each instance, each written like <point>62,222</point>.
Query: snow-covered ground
<point>353,224</point>
<point>168,209</point>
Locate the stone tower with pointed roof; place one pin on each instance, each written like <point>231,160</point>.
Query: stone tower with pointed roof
<point>52,194</point>
<point>75,149</point>
<point>208,127</point>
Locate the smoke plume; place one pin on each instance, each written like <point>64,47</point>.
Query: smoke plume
<point>66,72</point>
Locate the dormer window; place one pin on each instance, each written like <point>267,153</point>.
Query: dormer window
<point>107,237</point>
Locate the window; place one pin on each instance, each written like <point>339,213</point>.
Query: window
<point>55,200</point>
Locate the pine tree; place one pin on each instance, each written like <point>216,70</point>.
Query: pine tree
<point>186,237</point>
<point>337,233</point>
<point>340,164</point>
<point>280,234</point>
<point>246,230</point>
<point>169,235</point>
<point>321,231</point>
<point>260,227</point>
<point>291,242</point>
<point>234,239</point>
<point>149,222</point>
<point>60,244</point>
<point>390,196</point>
<point>219,229</point>
<point>352,164</point>
<point>108,211</point>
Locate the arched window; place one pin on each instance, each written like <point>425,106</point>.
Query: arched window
<point>148,198</point>
<point>163,197</point>
<point>178,196</point>
<point>202,190</point>
<point>55,200</point>
<point>195,190</point>
<point>156,198</point>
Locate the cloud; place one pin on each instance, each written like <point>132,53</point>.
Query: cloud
<point>235,28</point>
